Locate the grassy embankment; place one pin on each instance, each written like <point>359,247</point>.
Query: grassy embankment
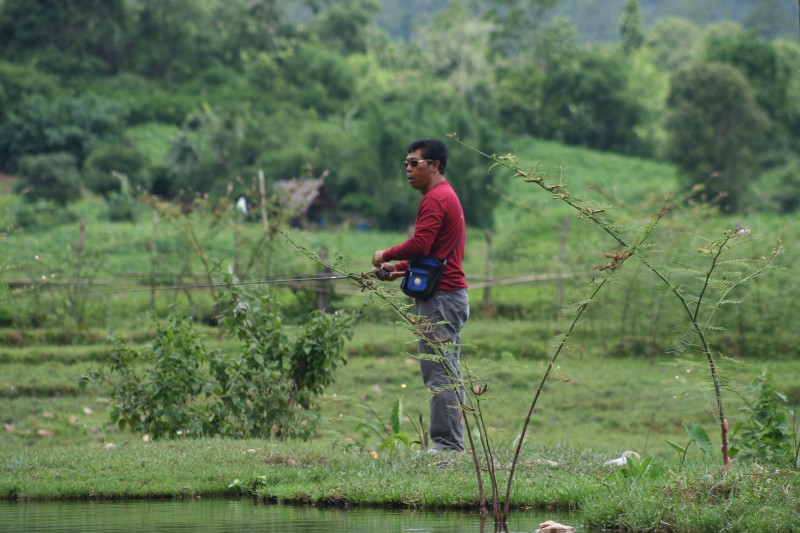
<point>612,398</point>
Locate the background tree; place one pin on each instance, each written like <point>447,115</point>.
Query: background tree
<point>400,19</point>
<point>516,22</point>
<point>759,63</point>
<point>242,29</point>
<point>557,46</point>
<point>769,75</point>
<point>716,131</point>
<point>454,46</point>
<point>163,38</point>
<point>587,103</point>
<point>67,37</point>
<point>630,26</point>
<point>206,91</point>
<point>520,83</point>
<point>208,153</point>
<point>773,18</point>
<point>671,42</point>
<point>343,26</point>
<point>105,167</point>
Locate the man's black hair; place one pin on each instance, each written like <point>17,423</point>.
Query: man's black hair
<point>433,149</point>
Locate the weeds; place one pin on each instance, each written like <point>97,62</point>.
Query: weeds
<point>389,436</point>
<point>764,432</point>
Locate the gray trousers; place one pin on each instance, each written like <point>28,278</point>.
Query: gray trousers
<point>447,421</point>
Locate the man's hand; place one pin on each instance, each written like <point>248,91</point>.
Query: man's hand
<point>377,258</point>
<point>387,272</point>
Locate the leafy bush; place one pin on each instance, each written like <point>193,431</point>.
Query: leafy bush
<point>52,177</point>
<point>764,433</point>
<point>269,388</point>
<point>274,375</point>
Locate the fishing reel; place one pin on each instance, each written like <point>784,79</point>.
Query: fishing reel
<point>382,274</point>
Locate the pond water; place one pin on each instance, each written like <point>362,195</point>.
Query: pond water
<point>243,515</point>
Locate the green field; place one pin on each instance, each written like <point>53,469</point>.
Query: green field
<point>625,381</point>
<point>609,404</point>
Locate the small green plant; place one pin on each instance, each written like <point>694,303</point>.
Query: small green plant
<point>269,388</point>
<point>251,487</point>
<point>121,206</point>
<point>764,432</point>
<point>389,436</point>
<point>697,435</point>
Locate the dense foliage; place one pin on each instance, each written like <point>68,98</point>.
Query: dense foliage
<point>186,96</point>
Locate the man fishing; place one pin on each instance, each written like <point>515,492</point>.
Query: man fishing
<point>439,231</point>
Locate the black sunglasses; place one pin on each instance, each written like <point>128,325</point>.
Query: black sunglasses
<point>414,162</point>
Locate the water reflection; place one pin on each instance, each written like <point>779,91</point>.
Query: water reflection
<point>245,515</point>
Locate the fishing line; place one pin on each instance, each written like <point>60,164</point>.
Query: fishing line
<point>182,287</point>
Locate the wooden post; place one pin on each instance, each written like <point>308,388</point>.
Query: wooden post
<point>76,277</point>
<point>562,258</point>
<point>487,290</point>
<point>153,260</point>
<point>262,189</point>
<point>323,287</point>
<point>237,240</point>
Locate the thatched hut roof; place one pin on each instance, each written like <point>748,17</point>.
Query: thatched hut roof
<point>304,195</point>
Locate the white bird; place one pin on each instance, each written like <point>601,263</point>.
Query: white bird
<point>622,459</point>
<point>241,204</point>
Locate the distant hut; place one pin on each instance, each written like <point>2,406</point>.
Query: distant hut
<point>308,199</point>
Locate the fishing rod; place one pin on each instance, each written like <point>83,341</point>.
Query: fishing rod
<point>204,286</point>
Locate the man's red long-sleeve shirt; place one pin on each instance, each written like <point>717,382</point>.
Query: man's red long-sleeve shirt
<point>439,230</point>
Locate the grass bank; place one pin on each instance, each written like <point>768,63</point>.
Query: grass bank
<point>692,497</point>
